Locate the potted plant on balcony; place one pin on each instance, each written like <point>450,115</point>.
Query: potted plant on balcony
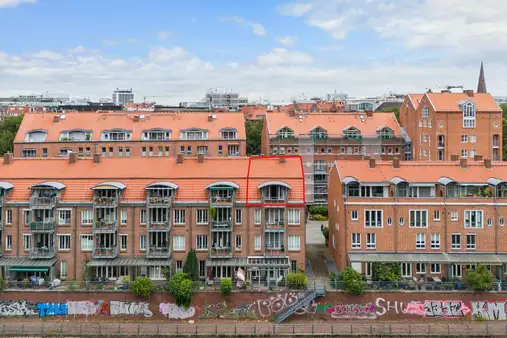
<point>111,200</point>
<point>126,282</point>
<point>212,213</point>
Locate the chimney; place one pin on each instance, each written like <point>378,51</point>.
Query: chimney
<point>56,118</point>
<point>200,158</point>
<point>463,163</point>
<point>179,159</point>
<point>454,158</point>
<point>371,163</point>
<point>469,92</point>
<point>210,118</point>
<point>96,158</point>
<point>396,163</point>
<point>72,157</point>
<point>369,113</point>
<point>477,158</point>
<point>8,158</point>
<point>283,160</point>
<point>429,91</point>
<point>487,163</point>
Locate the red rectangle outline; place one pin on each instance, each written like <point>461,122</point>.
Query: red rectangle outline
<point>275,204</point>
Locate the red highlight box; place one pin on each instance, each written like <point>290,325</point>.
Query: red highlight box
<point>257,158</point>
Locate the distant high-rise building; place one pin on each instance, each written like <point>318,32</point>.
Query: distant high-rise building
<point>218,99</point>
<point>122,96</point>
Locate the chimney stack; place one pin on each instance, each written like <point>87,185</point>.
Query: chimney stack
<point>477,158</point>
<point>8,158</point>
<point>463,163</point>
<point>283,160</point>
<point>371,163</point>
<point>469,92</point>
<point>96,158</point>
<point>210,118</point>
<point>56,118</point>
<point>179,159</point>
<point>454,158</point>
<point>72,157</point>
<point>200,158</point>
<point>396,163</point>
<point>487,163</point>
<point>369,113</point>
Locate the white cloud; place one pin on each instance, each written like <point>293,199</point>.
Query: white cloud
<point>164,35</point>
<point>164,54</point>
<point>78,50</point>
<point>287,40</point>
<point>281,56</point>
<point>15,3</point>
<point>110,42</point>
<point>294,9</point>
<point>50,55</point>
<point>257,28</point>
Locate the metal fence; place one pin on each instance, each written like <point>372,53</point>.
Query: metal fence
<point>455,329</point>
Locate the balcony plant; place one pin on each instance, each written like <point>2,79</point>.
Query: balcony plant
<point>226,286</point>
<point>212,213</point>
<point>480,279</point>
<point>181,288</point>
<point>297,280</point>
<point>143,287</point>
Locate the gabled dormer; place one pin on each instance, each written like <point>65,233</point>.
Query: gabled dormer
<point>285,133</point>
<point>351,133</point>
<point>194,134</point>
<point>107,194</point>
<point>385,133</point>
<point>156,134</point>
<point>318,133</point>
<point>116,135</point>
<point>75,135</point>
<point>468,109</point>
<point>228,134</point>
<point>45,194</point>
<point>160,193</point>
<point>221,192</point>
<point>37,135</point>
<point>274,191</point>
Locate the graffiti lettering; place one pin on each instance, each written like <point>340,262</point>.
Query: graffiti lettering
<point>382,306</point>
<point>275,304</point>
<point>119,308</point>
<point>52,309</point>
<point>445,309</point>
<point>489,310</point>
<point>352,311</point>
<point>17,308</point>
<point>222,311</point>
<point>173,311</point>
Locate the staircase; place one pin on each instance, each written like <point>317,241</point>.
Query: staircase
<point>317,290</point>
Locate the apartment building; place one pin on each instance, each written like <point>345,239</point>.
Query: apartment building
<point>128,134</point>
<point>131,218</point>
<point>435,219</point>
<point>322,138</point>
<point>445,124</point>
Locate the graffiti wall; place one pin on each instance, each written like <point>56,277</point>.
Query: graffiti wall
<point>212,306</point>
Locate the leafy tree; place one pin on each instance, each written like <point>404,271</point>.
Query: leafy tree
<point>253,137</point>
<point>226,286</point>
<point>143,287</point>
<point>480,279</point>
<point>319,210</point>
<point>8,129</point>
<point>386,272</point>
<point>190,267</point>
<point>395,110</point>
<point>297,280</point>
<point>181,288</point>
<point>504,129</point>
<point>352,281</point>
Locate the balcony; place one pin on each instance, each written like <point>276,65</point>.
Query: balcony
<point>159,226</point>
<point>43,252</point>
<point>320,169</point>
<point>105,226</point>
<point>353,137</point>
<point>275,224</point>
<point>223,252</point>
<point>159,201</point>
<point>319,136</point>
<point>496,144</point>
<point>42,202</point>
<point>274,199</point>
<point>220,200</point>
<point>105,202</point>
<point>274,250</point>
<point>105,252</point>
<point>221,225</point>
<point>47,225</point>
<point>158,252</point>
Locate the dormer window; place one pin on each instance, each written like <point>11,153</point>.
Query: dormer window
<point>76,135</point>
<point>228,134</point>
<point>156,135</point>
<point>194,134</point>
<point>36,136</point>
<point>116,135</point>
<point>351,133</point>
<point>385,133</point>
<point>318,133</point>
<point>274,191</point>
<point>285,133</point>
<point>365,106</point>
<point>469,115</point>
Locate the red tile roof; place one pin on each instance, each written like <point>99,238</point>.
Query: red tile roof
<point>415,99</point>
<point>449,102</point>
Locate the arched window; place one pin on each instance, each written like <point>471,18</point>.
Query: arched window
<point>319,133</point>
<point>285,133</point>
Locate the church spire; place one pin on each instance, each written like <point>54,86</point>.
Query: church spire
<point>481,87</point>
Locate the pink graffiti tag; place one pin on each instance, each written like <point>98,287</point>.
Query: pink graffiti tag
<point>356,311</point>
<point>438,309</point>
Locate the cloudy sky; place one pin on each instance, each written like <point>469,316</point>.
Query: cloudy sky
<point>174,50</point>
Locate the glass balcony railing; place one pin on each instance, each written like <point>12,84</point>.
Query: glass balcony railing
<point>102,201</point>
<point>218,200</point>
<point>42,202</point>
<point>42,252</point>
<point>221,225</point>
<point>105,252</point>
<point>47,225</point>
<point>158,252</point>
<point>274,249</point>
<point>159,201</point>
<point>159,226</point>
<point>222,252</point>
<point>105,226</point>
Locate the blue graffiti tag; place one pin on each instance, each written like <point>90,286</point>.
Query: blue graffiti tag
<point>52,309</point>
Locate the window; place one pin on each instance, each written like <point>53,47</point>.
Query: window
<point>239,243</point>
<point>179,266</point>
<point>294,242</point>
<point>454,215</point>
<point>142,242</point>
<point>123,216</point>
<point>425,112</point>
<point>201,242</point>
<point>420,268</point>
<point>354,215</point>
<point>86,242</point>
<point>27,216</point>
<point>471,242</point>
<point>420,241</point>
<point>468,115</point>
<point>373,218</point>
<point>233,150</point>
<point>161,150</point>
<point>88,152</point>
<point>239,216</point>
<point>8,242</point>
<point>120,151</point>
<point>179,216</point>
<point>435,241</point>
<point>371,241</point>
<point>418,218</point>
<point>456,270</point>
<point>142,216</point>
<point>406,270</point>
<point>189,150</point>
<point>44,152</point>
<point>64,216</point>
<point>490,222</point>
<point>257,216</point>
<point>179,243</point>
<point>202,216</point>
<point>472,153</point>
<point>435,268</point>
<point>103,151</point>
<point>220,151</point>
<point>456,241</point>
<point>27,241</point>
<point>356,241</point>
<point>202,269</point>
<point>389,221</point>
<point>29,153</point>
<point>257,243</point>
<point>150,153</point>
<point>63,270</point>
<point>472,139</point>
<point>111,151</point>
<point>294,216</point>
<point>464,153</point>
<point>202,150</point>
<point>464,138</point>
<point>166,151</point>
<point>436,215</point>
<point>123,242</point>
<point>64,242</point>
<point>182,150</point>
<point>473,219</point>
<point>8,216</point>
<point>87,216</point>
<point>402,221</point>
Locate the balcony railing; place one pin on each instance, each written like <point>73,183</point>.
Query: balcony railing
<point>274,199</point>
<point>221,225</point>
<point>275,223</point>
<point>99,201</point>
<point>319,136</point>
<point>214,200</point>
<point>274,250</point>
<point>48,225</point>
<point>105,226</point>
<point>159,201</point>
<point>43,252</point>
<point>496,144</point>
<point>223,252</point>
<point>105,252</point>
<point>42,202</point>
<point>159,226</point>
<point>352,137</point>
<point>158,252</point>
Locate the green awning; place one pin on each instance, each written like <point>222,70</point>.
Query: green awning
<point>27,269</point>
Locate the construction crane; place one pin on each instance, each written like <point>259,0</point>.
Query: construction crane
<point>449,87</point>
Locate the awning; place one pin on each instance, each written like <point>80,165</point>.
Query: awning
<point>223,184</point>
<point>155,185</point>
<point>130,261</point>
<point>110,185</point>
<point>6,185</point>
<point>266,184</point>
<point>445,180</point>
<point>443,258</point>
<point>349,179</point>
<point>236,261</point>
<point>27,269</point>
<point>55,185</point>
<point>397,180</point>
<point>27,262</point>
<point>494,181</point>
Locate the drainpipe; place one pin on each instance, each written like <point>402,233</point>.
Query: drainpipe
<point>395,218</point>
<point>75,242</point>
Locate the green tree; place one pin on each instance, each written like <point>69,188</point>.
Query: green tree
<point>253,137</point>
<point>352,281</point>
<point>143,287</point>
<point>504,130</point>
<point>226,286</point>
<point>181,288</point>
<point>8,129</point>
<point>386,272</point>
<point>480,279</point>
<point>190,267</point>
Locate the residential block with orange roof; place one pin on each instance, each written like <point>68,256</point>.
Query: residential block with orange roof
<point>133,217</point>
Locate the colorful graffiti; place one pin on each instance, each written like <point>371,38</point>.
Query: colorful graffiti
<point>18,308</point>
<point>273,305</point>
<point>352,311</point>
<point>119,308</point>
<point>223,311</point>
<point>173,311</point>
<point>489,310</point>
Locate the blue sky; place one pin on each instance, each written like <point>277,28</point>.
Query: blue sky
<point>175,50</point>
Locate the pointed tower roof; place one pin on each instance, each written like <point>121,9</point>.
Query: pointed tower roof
<point>481,87</point>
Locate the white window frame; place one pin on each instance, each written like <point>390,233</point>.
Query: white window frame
<point>436,215</point>
<point>420,241</point>
<point>122,236</point>
<point>201,216</point>
<point>63,270</point>
<point>464,138</point>
<point>179,243</point>
<point>27,242</point>
<point>433,269</point>
<point>8,242</point>
<point>8,216</point>
<point>473,139</point>
<point>201,242</point>
<point>406,270</point>
<point>179,216</point>
<point>60,219</point>
<point>479,221</point>
<point>142,216</point>
<point>59,237</point>
<point>27,216</point>
<point>294,243</point>
<point>238,212</point>
<point>354,215</point>
<point>469,116</point>
<point>371,241</point>
<point>240,242</point>
<point>356,240</point>
<point>422,212</point>
<point>294,216</point>
<point>123,216</point>
<point>420,268</point>
<point>454,215</point>
<point>142,242</point>
<point>257,216</point>
<point>373,223</point>
<point>257,243</point>
<point>84,219</point>
<point>435,240</point>
<point>474,246</point>
<point>456,246</point>
<point>425,112</point>
<point>456,270</point>
<point>89,238</point>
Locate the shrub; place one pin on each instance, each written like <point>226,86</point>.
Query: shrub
<point>335,279</point>
<point>318,217</point>
<point>143,287</point>
<point>190,267</point>
<point>352,281</point>
<point>297,281</point>
<point>386,272</point>
<point>181,287</point>
<point>2,284</point>
<point>226,286</point>
<point>325,233</point>
<point>318,210</point>
<point>480,279</point>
